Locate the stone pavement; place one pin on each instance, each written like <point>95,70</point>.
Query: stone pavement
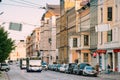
<point>3,76</point>
<point>111,76</point>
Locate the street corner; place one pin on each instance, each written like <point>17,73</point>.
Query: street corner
<point>3,76</point>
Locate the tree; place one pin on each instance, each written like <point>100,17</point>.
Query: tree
<point>6,45</point>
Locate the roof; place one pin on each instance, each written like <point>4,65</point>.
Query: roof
<point>55,8</point>
<point>52,8</point>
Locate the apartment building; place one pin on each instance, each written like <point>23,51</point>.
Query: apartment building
<point>83,28</point>
<point>33,43</point>
<point>48,34</point>
<point>65,5</point>
<point>109,40</point>
<point>19,52</point>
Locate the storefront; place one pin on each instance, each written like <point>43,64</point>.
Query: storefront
<point>101,57</point>
<point>117,59</point>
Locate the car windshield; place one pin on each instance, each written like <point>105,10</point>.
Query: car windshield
<point>83,65</point>
<point>89,68</point>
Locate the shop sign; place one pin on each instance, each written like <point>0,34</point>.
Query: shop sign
<point>116,50</point>
<point>101,51</point>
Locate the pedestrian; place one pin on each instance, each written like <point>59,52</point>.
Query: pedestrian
<point>108,67</point>
<point>97,68</point>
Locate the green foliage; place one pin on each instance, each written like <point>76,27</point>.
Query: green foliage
<point>6,45</point>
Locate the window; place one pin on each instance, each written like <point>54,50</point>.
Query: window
<point>109,36</point>
<point>74,42</point>
<point>86,40</point>
<point>85,57</point>
<point>109,18</point>
<point>101,15</point>
<point>101,37</point>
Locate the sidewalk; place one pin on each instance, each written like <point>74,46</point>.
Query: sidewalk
<point>112,75</point>
<point>3,76</point>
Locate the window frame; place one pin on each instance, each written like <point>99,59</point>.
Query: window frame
<point>86,40</point>
<point>75,41</point>
<point>109,13</point>
<point>109,36</point>
<point>86,58</point>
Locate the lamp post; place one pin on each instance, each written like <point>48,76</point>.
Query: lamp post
<point>1,13</point>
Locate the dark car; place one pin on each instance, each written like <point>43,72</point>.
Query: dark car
<point>70,68</point>
<point>10,62</point>
<point>81,66</point>
<point>44,66</point>
<point>89,71</point>
<point>58,67</point>
<point>75,69</point>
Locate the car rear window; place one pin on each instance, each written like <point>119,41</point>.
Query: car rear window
<point>3,64</point>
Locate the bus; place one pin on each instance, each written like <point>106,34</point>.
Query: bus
<point>34,64</point>
<point>23,63</point>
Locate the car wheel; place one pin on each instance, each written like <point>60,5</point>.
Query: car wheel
<point>7,70</point>
<point>77,72</point>
<point>95,75</point>
<point>83,74</point>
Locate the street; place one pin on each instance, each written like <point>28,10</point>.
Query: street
<point>16,74</point>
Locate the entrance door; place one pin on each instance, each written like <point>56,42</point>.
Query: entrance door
<point>110,60</point>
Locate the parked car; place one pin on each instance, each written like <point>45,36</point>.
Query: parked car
<point>4,67</point>
<point>44,66</point>
<point>75,69</point>
<point>81,66</point>
<point>54,67</point>
<point>50,67</point>
<point>63,67</point>
<point>58,67</point>
<point>10,62</point>
<point>70,67</point>
<point>89,71</point>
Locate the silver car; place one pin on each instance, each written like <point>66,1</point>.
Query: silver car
<point>4,67</point>
<point>89,71</point>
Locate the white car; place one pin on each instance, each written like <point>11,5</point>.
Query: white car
<point>4,67</point>
<point>63,67</point>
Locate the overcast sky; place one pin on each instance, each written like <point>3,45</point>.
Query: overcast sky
<point>27,12</point>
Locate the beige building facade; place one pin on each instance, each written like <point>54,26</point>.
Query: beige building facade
<point>109,40</point>
<point>48,34</point>
<point>19,52</point>
<point>33,43</point>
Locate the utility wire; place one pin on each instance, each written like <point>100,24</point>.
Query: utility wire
<point>24,3</point>
<point>25,23</point>
<point>19,5</point>
<point>31,2</point>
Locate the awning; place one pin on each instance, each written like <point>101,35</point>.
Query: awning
<point>116,50</point>
<point>101,51</point>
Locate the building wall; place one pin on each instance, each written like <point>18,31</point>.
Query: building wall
<point>19,52</point>
<point>58,38</point>
<point>93,33</point>
<point>111,56</point>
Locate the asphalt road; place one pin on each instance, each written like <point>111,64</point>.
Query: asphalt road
<point>16,74</point>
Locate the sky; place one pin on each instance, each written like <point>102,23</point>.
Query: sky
<point>26,12</point>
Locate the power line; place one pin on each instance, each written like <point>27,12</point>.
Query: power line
<point>25,23</point>
<point>31,2</point>
<point>19,5</point>
<point>24,3</point>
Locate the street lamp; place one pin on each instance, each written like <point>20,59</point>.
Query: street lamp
<point>1,13</point>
